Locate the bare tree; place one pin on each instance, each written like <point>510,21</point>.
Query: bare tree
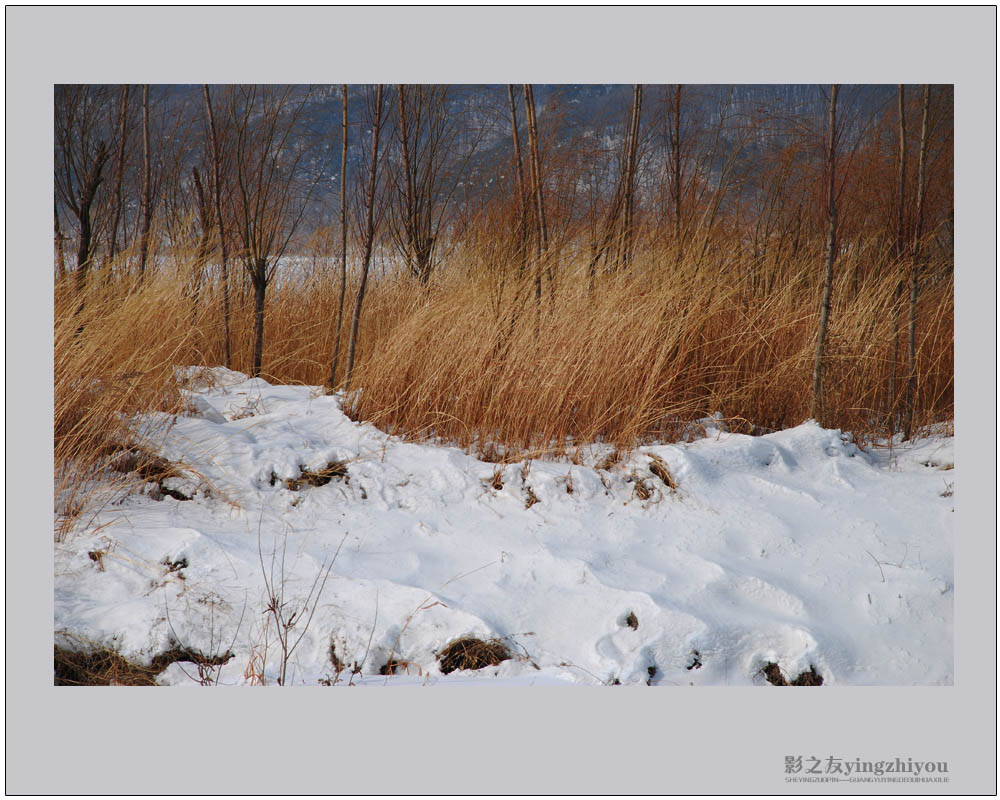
<point>80,158</point>
<point>88,192</point>
<point>538,200</point>
<point>901,180</point>
<point>523,230</point>
<point>175,148</point>
<point>619,221</point>
<point>536,169</point>
<point>676,160</point>
<point>217,204</point>
<point>270,198</point>
<point>201,258</point>
<point>343,242</point>
<point>522,218</point>
<point>831,253</point>
<point>911,381</point>
<point>413,246</point>
<point>368,234</point>
<point>900,252</point>
<point>147,190</point>
<point>436,145</point>
<point>630,176</point>
<point>119,172</point>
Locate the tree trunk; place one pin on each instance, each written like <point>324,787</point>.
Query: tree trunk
<point>631,164</point>
<point>60,250</point>
<point>677,173</point>
<point>201,259</point>
<point>409,223</point>
<point>343,245</point>
<point>147,210</point>
<point>259,280</point>
<point>89,191</point>
<point>818,405</point>
<point>900,250</point>
<point>369,238</point>
<point>522,220</point>
<point>901,179</point>
<point>536,168</point>
<point>536,191</point>
<point>217,196</point>
<point>911,382</point>
<point>119,173</point>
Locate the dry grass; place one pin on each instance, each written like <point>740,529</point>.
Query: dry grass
<point>116,347</point>
<point>468,652</point>
<point>472,359</point>
<point>644,354</point>
<point>83,662</point>
<point>99,666</point>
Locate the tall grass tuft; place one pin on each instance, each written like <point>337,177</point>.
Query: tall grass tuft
<point>646,353</point>
<point>117,344</point>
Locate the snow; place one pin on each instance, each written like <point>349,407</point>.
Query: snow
<point>794,547</point>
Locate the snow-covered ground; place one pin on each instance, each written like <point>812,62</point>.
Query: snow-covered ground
<point>794,548</point>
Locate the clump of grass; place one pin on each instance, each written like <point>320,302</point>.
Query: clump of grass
<point>468,652</point>
<point>640,488</point>
<point>81,662</point>
<point>773,674</point>
<point>659,468</point>
<point>99,666</point>
<point>319,477</point>
<point>531,497</point>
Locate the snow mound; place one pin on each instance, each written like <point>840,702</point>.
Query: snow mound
<point>696,563</point>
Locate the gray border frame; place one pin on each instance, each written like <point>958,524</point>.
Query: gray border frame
<point>509,740</point>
